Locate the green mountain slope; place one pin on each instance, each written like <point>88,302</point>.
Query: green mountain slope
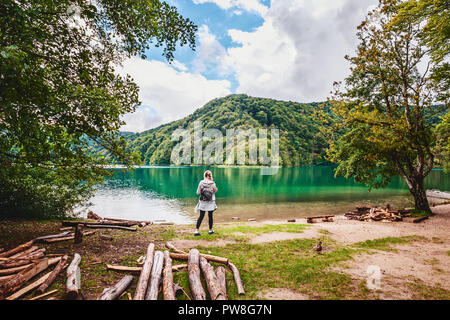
<point>300,139</point>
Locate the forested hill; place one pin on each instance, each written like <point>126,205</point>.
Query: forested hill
<point>300,140</point>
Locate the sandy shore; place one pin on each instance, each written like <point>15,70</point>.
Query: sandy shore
<point>425,261</point>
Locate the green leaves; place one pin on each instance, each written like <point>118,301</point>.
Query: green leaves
<point>60,88</point>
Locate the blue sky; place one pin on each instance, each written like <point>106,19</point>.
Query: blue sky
<point>281,49</point>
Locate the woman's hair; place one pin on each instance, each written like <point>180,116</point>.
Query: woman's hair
<point>207,174</point>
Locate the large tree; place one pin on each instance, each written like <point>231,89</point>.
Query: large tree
<point>62,90</point>
<point>385,106</point>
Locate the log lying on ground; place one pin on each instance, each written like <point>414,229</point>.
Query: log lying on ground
<point>221,279</point>
<point>115,291</point>
<point>59,235</point>
<point>110,267</point>
<point>155,276</point>
<point>44,295</point>
<point>126,220</point>
<point>101,222</point>
<point>417,220</point>
<point>180,254</point>
<point>23,253</point>
<point>66,229</point>
<point>327,218</point>
<point>142,284</point>
<point>73,284</point>
<point>198,293</point>
<point>15,283</point>
<point>71,237</point>
<point>4,272</point>
<point>28,288</point>
<point>214,288</point>
<point>168,292</point>
<point>59,267</point>
<point>98,226</point>
<point>237,278</point>
<point>17,249</point>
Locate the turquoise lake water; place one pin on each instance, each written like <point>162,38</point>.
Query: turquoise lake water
<point>168,193</point>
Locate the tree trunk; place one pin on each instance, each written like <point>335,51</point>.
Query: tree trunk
<point>73,284</point>
<point>78,234</point>
<point>141,287</point>
<point>417,189</point>
<point>115,291</point>
<point>214,288</point>
<point>168,292</point>
<point>198,293</point>
<point>155,278</point>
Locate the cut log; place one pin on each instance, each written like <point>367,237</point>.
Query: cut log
<point>168,292</point>
<point>28,288</point>
<point>237,278</point>
<point>59,235</point>
<point>66,229</point>
<point>198,293</point>
<point>291,220</point>
<point>417,220</point>
<point>20,248</point>
<point>44,295</point>
<point>110,267</point>
<point>6,278</point>
<point>18,263</point>
<point>221,279</point>
<point>180,254</point>
<point>23,253</point>
<point>73,284</point>
<point>142,284</point>
<point>126,220</point>
<point>115,291</point>
<point>101,222</point>
<point>71,237</point>
<point>59,267</point>
<point>4,272</point>
<point>99,226</point>
<point>21,278</point>
<point>123,268</point>
<point>214,289</point>
<point>78,234</point>
<point>155,276</point>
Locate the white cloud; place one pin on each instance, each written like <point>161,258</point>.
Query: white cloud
<point>168,93</point>
<point>247,5</point>
<point>298,52</point>
<point>210,53</point>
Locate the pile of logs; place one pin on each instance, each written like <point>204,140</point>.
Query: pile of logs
<point>157,270</point>
<point>377,214</point>
<point>21,264</point>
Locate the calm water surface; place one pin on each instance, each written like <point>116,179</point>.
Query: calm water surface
<point>168,193</point>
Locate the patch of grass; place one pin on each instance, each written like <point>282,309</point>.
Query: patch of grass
<point>418,213</point>
<point>289,264</point>
<point>324,231</point>
<point>384,244</point>
<point>240,233</point>
<point>423,291</point>
<point>448,252</point>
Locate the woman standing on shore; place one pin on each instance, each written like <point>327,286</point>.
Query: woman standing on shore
<point>207,201</point>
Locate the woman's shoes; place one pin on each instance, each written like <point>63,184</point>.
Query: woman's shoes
<point>197,234</point>
<point>210,231</point>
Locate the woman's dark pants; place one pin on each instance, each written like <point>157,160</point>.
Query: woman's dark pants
<point>202,215</point>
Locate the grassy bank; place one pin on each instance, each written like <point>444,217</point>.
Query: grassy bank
<point>289,264</point>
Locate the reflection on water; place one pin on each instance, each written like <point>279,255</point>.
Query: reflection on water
<point>168,193</point>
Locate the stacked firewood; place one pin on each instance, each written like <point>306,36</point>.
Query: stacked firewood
<point>21,264</point>
<point>157,271</point>
<point>377,214</point>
